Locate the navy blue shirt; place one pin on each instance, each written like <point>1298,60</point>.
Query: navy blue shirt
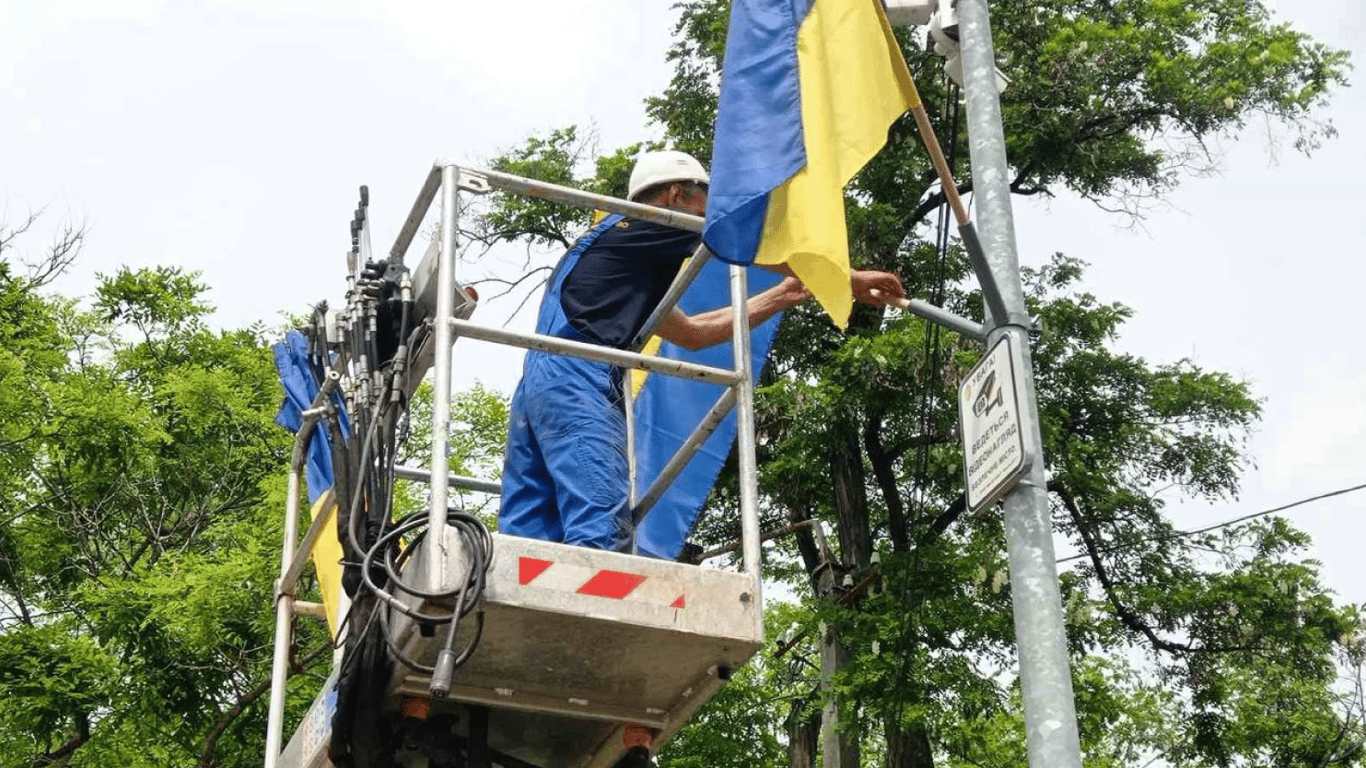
<point>621,278</point>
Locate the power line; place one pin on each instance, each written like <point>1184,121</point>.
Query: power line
<point>1228,523</point>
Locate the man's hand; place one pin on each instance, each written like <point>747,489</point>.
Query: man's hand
<point>866,281</point>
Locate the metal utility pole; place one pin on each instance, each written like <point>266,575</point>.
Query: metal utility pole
<point>1045,676</point>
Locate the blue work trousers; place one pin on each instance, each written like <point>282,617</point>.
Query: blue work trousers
<point>565,476</point>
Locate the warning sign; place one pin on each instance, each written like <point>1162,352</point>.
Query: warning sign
<point>994,452</point>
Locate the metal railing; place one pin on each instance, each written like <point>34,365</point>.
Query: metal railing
<point>292,558</point>
<point>446,178</point>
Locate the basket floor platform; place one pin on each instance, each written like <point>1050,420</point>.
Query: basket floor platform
<point>577,642</point>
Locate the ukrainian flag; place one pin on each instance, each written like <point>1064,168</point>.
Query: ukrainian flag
<point>808,90</point>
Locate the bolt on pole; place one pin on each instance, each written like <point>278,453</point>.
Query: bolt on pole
<point>1040,636</point>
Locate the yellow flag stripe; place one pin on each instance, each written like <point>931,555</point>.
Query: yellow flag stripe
<point>327,557</point>
<point>854,84</point>
<point>638,376</point>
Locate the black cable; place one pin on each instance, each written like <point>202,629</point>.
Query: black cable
<point>317,347</point>
<point>357,494</point>
<point>376,545</point>
<point>381,548</point>
<point>1217,526</point>
<point>466,594</point>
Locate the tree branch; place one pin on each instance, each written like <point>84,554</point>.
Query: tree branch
<point>883,472</point>
<point>245,701</point>
<point>59,256</point>
<point>63,753</point>
<point>512,285</point>
<point>949,515</point>
<point>1017,185</point>
<point>9,234</point>
<point>895,452</point>
<point>806,540</point>
<point>850,497</point>
<point>1126,615</point>
<point>930,203</point>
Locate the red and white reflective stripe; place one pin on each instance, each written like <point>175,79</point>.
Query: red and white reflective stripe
<point>613,585</point>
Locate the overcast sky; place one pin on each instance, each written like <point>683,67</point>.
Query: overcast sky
<point>230,136</point>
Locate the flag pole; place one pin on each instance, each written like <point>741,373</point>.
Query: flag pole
<point>937,159</point>
<point>996,306</point>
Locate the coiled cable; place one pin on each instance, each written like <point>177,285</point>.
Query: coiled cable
<point>466,595</point>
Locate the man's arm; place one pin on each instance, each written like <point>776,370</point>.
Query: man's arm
<point>707,328</point>
<point>864,283</point>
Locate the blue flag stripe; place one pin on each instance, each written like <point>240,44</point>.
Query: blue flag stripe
<point>669,409</point>
<point>759,122</point>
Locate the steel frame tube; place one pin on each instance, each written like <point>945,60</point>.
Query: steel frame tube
<point>305,550</point>
<point>544,190</point>
<point>444,339</point>
<point>557,345</point>
<point>284,613</point>
<point>997,311</point>
<point>1045,677</point>
<point>939,315</point>
<point>679,461</point>
<point>699,259</point>
<point>425,196</point>
<point>421,475</point>
<point>284,589</point>
<point>577,197</point>
<point>744,401</point>
<point>315,610</point>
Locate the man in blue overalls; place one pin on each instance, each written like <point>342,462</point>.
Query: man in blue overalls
<point>565,472</point>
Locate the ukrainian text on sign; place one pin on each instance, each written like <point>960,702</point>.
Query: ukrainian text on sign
<point>994,452</point>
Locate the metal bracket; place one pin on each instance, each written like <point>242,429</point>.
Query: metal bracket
<point>280,593</point>
<point>473,181</point>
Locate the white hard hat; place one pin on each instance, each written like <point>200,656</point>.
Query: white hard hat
<point>653,168</point>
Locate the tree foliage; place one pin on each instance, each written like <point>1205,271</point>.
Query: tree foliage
<point>139,526</point>
<point>141,500</point>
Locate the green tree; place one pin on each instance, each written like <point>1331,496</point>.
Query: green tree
<point>1115,101</point>
<point>141,493</point>
<point>139,526</point>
